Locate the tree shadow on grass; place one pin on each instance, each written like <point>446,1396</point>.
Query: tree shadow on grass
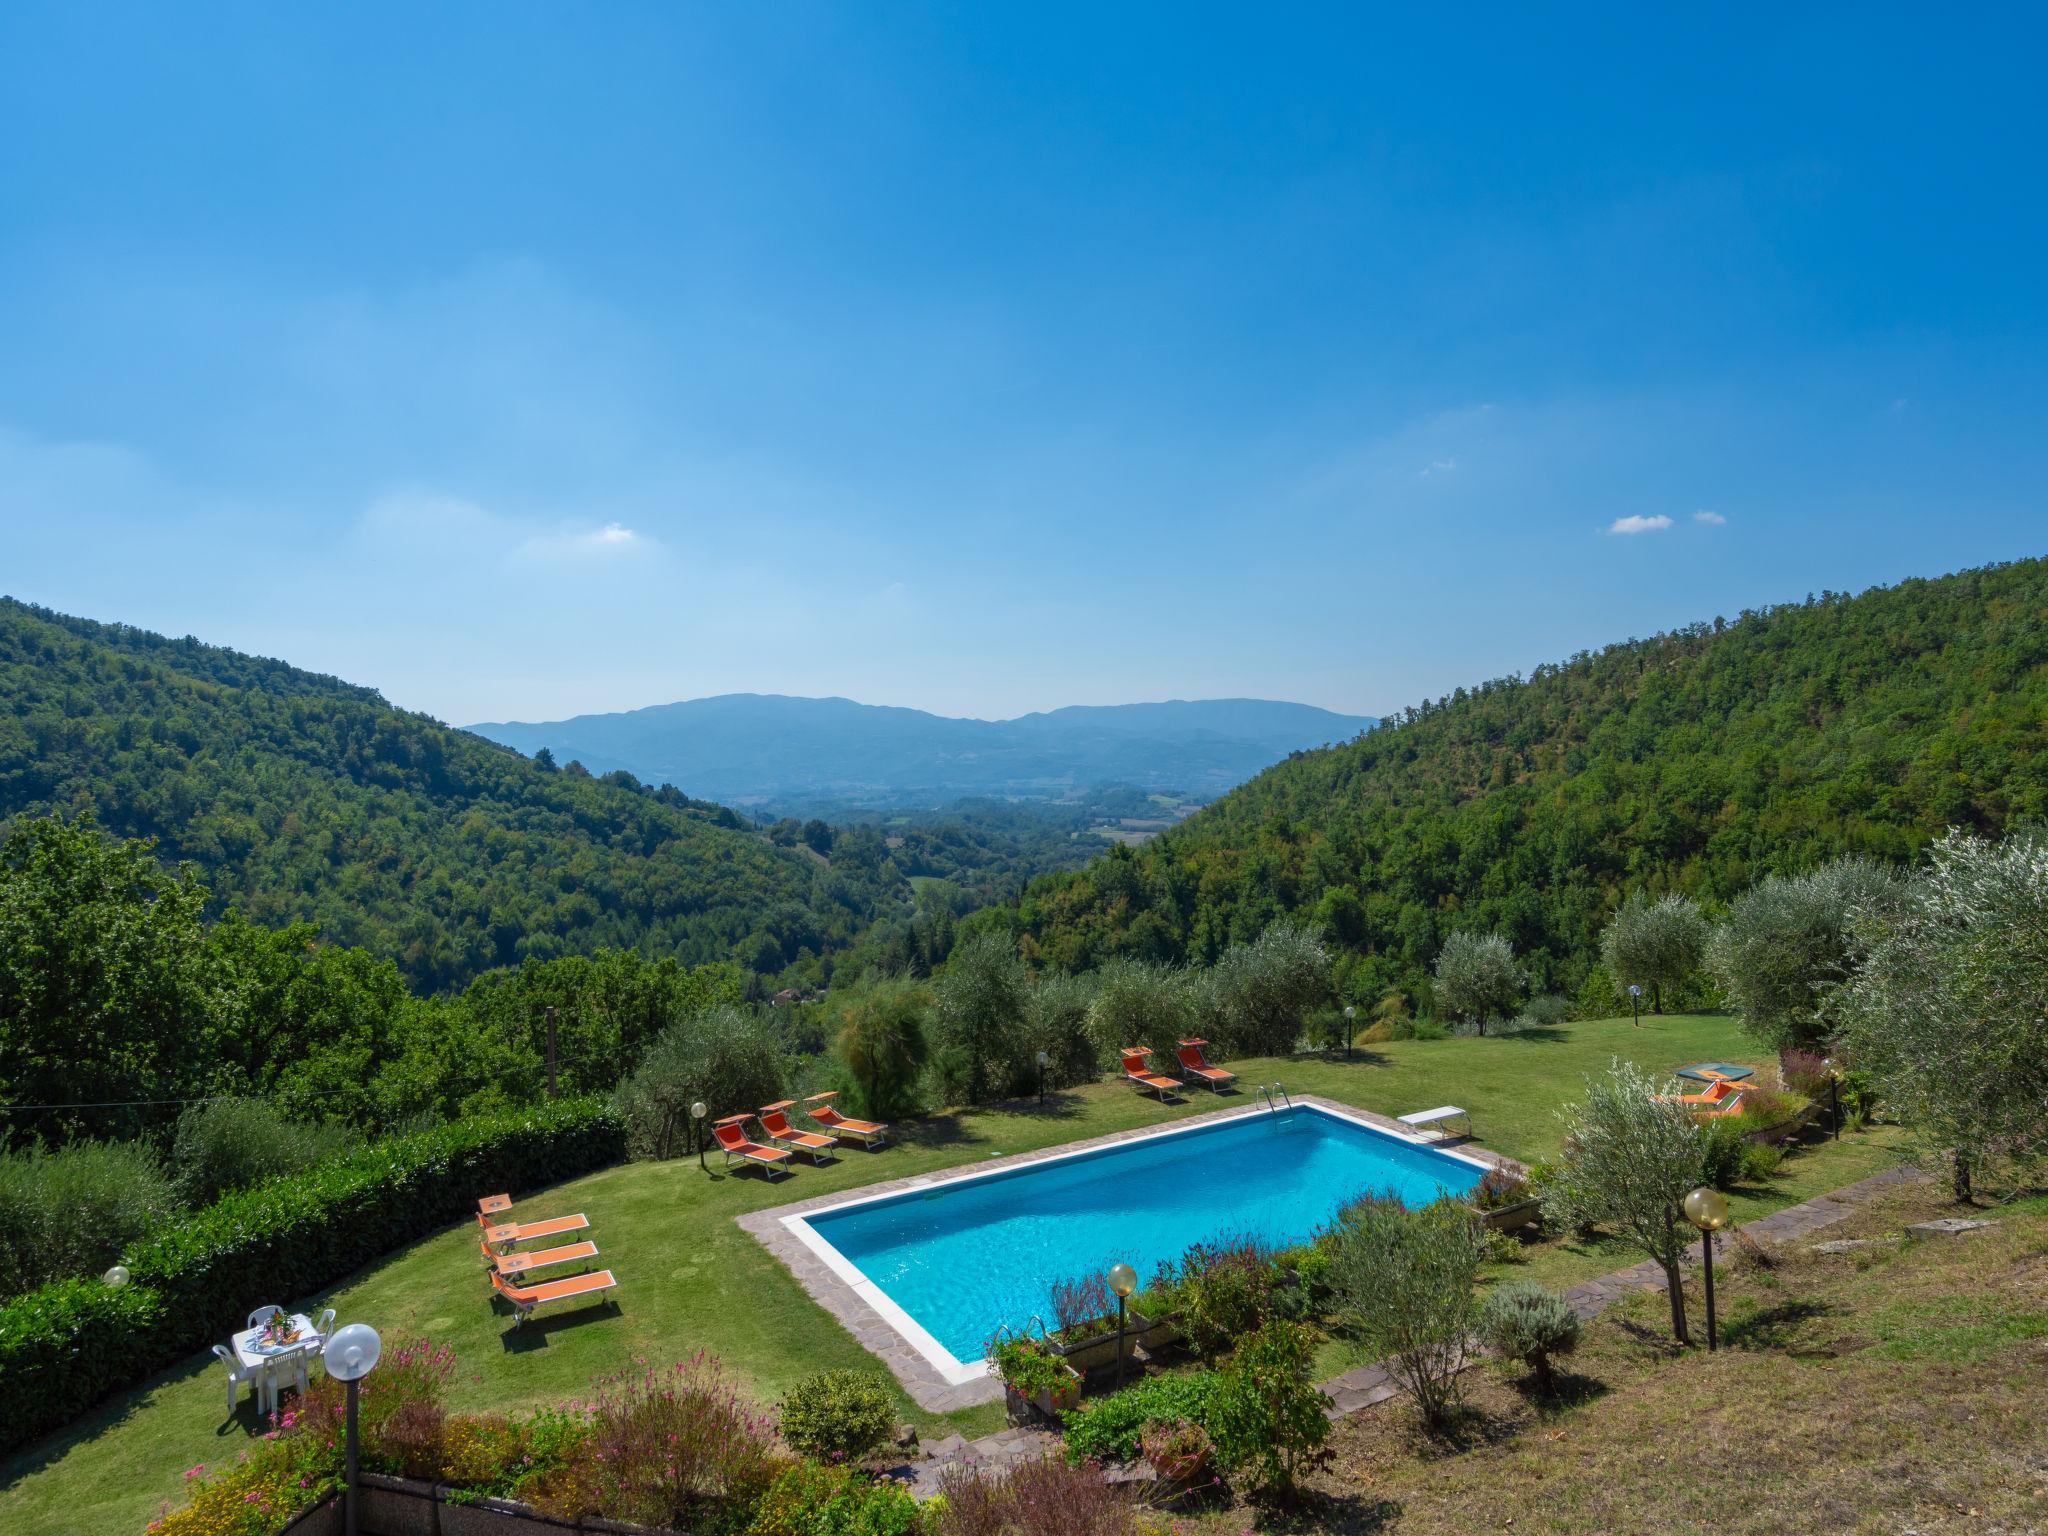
<point>1314,1512</point>
<point>1772,1327</point>
<point>1059,1105</point>
<point>937,1131</point>
<point>1568,1389</point>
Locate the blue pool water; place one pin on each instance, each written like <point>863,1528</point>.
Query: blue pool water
<point>965,1257</point>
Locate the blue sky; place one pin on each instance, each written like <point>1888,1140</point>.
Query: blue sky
<point>520,360</point>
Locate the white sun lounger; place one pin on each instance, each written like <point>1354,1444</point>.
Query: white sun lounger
<point>1439,1118</point>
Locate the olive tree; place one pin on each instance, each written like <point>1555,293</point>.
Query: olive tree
<point>979,1003</point>
<point>725,1056</point>
<point>1404,1279</point>
<point>1949,1007</point>
<point>1262,991</point>
<point>1654,944</point>
<point>1477,977</point>
<point>1139,1003</point>
<point>1629,1161</point>
<point>1786,942</point>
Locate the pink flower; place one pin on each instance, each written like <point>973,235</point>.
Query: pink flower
<point>192,1472</point>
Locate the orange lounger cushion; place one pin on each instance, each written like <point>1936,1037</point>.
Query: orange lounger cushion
<point>494,1205</point>
<point>546,1258</point>
<point>1138,1069</point>
<point>525,1298</point>
<point>1192,1060</point>
<point>775,1121</point>
<point>526,1231</point>
<point>820,1108</point>
<point>735,1144</point>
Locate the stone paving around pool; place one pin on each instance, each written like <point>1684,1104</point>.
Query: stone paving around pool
<point>920,1378</point>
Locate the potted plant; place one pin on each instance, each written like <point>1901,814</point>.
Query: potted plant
<point>1036,1375</point>
<point>1178,1450</point>
<point>1155,1312</point>
<point>1087,1335</point>
<point>1505,1202</point>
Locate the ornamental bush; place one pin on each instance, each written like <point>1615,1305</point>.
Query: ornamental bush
<point>839,1415</point>
<point>71,1212</point>
<point>1038,1498</point>
<point>810,1500</point>
<point>1267,1417</point>
<point>66,1345</point>
<point>229,1144</point>
<point>1109,1428</point>
<point>1405,1277</point>
<point>1529,1325</point>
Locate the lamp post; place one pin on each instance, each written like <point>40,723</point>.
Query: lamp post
<point>1123,1280</point>
<point>115,1278</point>
<point>1707,1209</point>
<point>1044,1061</point>
<point>697,1114</point>
<point>1834,1099</point>
<point>350,1356</point>
<point>1350,1023</point>
<point>1635,1004</point>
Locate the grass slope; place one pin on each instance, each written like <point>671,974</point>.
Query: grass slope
<point>691,1279</point>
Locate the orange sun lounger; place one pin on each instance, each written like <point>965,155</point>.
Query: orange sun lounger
<point>734,1140</point>
<point>525,1298</point>
<point>1195,1064</point>
<point>526,1231</point>
<point>493,1205</point>
<point>775,1121</point>
<point>545,1258</point>
<point>1138,1069</point>
<point>869,1133</point>
<point>1719,1093</point>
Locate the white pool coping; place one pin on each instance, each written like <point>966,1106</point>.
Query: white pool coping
<point>950,1368</point>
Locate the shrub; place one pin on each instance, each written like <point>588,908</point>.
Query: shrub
<point>1547,1011</point>
<point>810,1500</point>
<point>1025,1368</point>
<point>1500,1247</point>
<point>73,1211</point>
<point>1267,1417</point>
<point>667,1447</point>
<point>1108,1428</point>
<point>1225,1288</point>
<point>231,1144</point>
<point>1039,1498</point>
<point>1760,1161</point>
<point>1724,1154</point>
<point>1529,1325</point>
<point>839,1415</point>
<point>1405,1277</point>
<point>402,1416</point>
<point>64,1346</point>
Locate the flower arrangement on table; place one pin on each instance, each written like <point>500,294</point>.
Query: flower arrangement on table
<point>276,1332</point>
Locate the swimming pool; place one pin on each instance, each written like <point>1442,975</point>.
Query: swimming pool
<point>945,1265</point>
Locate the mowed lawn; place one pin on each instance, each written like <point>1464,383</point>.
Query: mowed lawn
<point>691,1280</point>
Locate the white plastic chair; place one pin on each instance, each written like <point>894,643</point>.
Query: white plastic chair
<point>291,1365</point>
<point>237,1374</point>
<point>261,1316</point>
<point>324,1325</point>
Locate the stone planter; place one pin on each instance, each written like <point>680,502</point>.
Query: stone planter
<point>1054,1401</point>
<point>1183,1469</point>
<point>1155,1335</point>
<point>1096,1351</point>
<point>1511,1218</point>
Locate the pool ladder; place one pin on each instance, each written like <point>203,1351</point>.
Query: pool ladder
<point>1277,1100</point>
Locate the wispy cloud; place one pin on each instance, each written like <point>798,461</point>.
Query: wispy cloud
<point>1704,516</point>
<point>1637,524</point>
<point>1437,467</point>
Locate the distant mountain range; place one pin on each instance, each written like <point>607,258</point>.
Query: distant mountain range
<point>754,749</point>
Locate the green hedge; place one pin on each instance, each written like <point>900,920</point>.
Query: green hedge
<point>66,1345</point>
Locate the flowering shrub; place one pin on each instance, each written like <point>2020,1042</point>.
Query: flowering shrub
<point>1083,1307</point>
<point>665,1447</point>
<point>1225,1287</point>
<point>839,1415</point>
<point>1039,1498</point>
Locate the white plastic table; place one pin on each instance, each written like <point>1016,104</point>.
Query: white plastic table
<point>262,1361</point>
<point>1424,1118</point>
